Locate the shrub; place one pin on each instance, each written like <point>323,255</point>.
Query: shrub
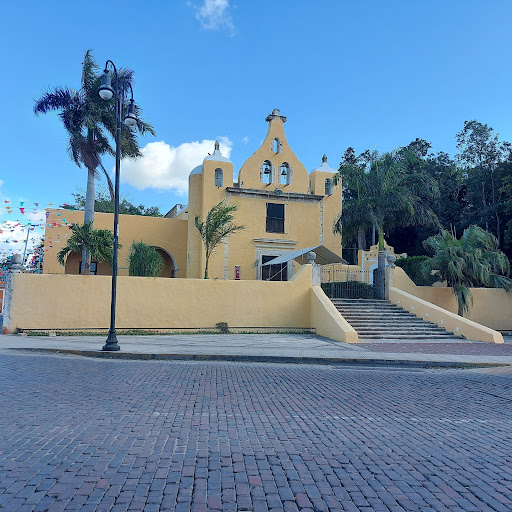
<point>413,267</point>
<point>223,327</point>
<point>144,260</point>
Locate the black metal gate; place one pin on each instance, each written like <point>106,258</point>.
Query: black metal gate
<point>351,284</point>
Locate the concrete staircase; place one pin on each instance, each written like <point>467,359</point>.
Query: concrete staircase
<point>375,320</point>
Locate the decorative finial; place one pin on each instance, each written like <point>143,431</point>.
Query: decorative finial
<point>324,159</point>
<point>276,113</point>
<point>217,145</point>
<point>16,264</point>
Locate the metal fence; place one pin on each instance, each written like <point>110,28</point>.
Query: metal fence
<point>340,283</point>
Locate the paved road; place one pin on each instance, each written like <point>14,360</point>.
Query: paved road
<point>277,346</point>
<point>109,435</point>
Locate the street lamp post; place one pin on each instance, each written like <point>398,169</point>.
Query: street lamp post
<point>106,92</point>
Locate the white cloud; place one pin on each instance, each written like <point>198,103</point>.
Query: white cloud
<point>215,15</point>
<point>165,167</point>
<point>245,140</point>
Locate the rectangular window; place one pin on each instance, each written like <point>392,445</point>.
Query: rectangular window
<point>275,218</point>
<point>273,272</point>
<point>93,268</point>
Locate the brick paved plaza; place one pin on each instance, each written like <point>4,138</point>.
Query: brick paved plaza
<point>99,435</point>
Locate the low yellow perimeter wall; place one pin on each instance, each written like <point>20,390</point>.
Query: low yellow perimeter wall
<point>52,302</point>
<point>48,302</point>
<point>492,307</point>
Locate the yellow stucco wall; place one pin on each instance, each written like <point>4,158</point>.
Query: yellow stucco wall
<point>327,320</point>
<point>491,307</point>
<point>43,302</point>
<point>168,234</point>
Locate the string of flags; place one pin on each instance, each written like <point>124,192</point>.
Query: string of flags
<point>12,207</point>
<point>20,230</point>
<point>15,233</point>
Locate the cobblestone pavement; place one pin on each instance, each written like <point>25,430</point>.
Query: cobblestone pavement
<point>109,435</point>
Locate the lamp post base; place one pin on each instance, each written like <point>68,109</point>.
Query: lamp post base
<point>111,344</point>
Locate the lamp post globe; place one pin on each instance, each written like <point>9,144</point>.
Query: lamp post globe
<point>105,90</point>
<point>131,117</point>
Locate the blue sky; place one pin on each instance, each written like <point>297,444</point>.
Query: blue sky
<point>364,74</point>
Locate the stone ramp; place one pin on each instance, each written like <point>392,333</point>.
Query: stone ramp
<point>381,320</point>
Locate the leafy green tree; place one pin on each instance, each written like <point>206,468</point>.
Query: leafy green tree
<point>449,205</point>
<point>384,191</point>
<point>473,260</point>
<point>104,204</point>
<point>216,227</point>
<point>144,260</point>
<point>97,242</point>
<point>481,154</point>
<point>90,123</point>
<point>506,190</point>
<point>353,174</point>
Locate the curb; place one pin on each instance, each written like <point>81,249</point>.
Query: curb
<point>263,359</point>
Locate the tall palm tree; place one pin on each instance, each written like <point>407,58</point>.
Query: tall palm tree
<point>384,191</point>
<point>99,243</point>
<point>472,260</point>
<point>216,227</point>
<point>90,123</point>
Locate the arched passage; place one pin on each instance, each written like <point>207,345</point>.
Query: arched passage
<point>169,269</point>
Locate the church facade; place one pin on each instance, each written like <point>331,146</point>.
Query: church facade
<point>282,206</point>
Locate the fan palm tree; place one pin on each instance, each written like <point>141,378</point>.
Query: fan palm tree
<point>471,261</point>
<point>217,226</point>
<point>90,123</point>
<point>99,243</point>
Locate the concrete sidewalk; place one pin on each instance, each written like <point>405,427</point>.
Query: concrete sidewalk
<point>294,348</point>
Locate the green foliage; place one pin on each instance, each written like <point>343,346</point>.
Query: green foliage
<point>413,267</point>
<point>144,260</point>
<point>98,242</point>
<point>89,120</point>
<point>481,158</point>
<point>104,204</point>
<point>90,123</point>
<point>217,226</point>
<point>449,206</point>
<point>384,191</point>
<point>223,327</point>
<point>474,260</point>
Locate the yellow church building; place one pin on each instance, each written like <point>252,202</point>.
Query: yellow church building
<point>285,210</point>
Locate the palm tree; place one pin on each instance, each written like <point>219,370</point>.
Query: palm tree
<point>217,226</point>
<point>89,121</point>
<point>471,261</point>
<point>99,243</point>
<point>383,191</point>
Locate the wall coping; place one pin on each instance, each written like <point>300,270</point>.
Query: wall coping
<point>444,318</point>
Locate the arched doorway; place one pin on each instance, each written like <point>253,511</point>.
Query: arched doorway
<point>169,269</point>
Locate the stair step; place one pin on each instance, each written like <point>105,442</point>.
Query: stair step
<point>382,320</point>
